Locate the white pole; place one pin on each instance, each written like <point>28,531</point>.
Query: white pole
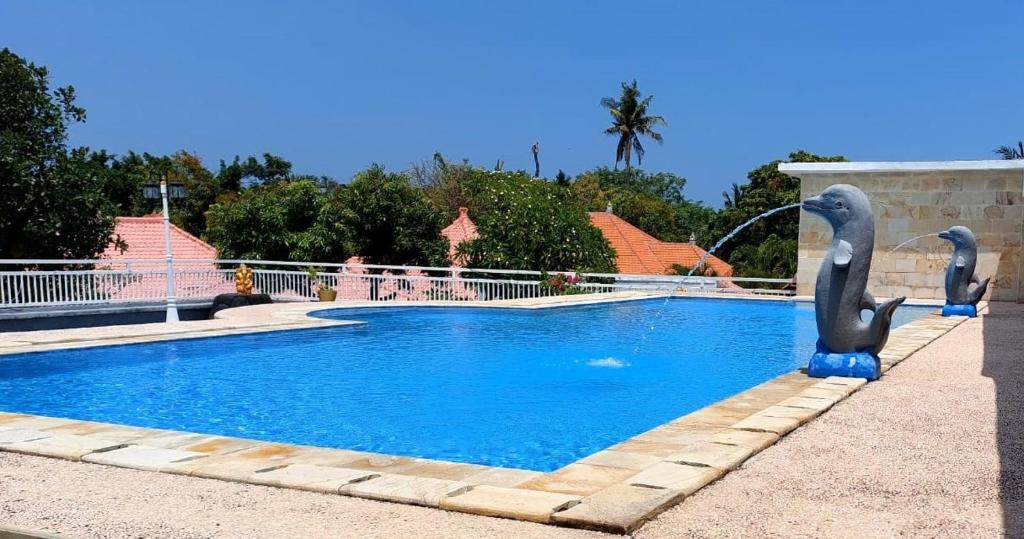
<point>172,308</point>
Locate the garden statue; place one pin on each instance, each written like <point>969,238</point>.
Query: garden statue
<point>847,345</point>
<point>243,280</point>
<point>243,295</point>
<point>961,299</point>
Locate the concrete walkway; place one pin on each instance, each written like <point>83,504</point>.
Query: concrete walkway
<point>934,449</point>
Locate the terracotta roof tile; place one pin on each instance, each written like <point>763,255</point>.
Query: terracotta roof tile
<point>637,252</point>
<point>462,229</point>
<point>633,253</point>
<point>145,239</point>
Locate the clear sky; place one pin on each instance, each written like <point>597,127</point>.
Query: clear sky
<point>335,86</point>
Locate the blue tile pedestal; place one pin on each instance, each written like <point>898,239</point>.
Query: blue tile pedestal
<point>850,364</point>
<point>959,310</point>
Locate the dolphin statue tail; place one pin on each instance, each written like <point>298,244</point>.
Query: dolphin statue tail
<point>881,321</point>
<point>978,291</point>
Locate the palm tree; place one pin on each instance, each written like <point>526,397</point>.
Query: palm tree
<point>732,200</point>
<point>629,121</point>
<point>1009,152</point>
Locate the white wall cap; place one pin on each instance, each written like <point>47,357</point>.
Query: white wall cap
<point>900,166</point>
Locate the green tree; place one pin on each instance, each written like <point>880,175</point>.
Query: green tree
<point>126,176</point>
<point>766,189</point>
<point>562,178</point>
<point>234,176</point>
<point>526,224</point>
<point>630,121</point>
<point>698,220</point>
<point>664,185</point>
<point>280,221</point>
<point>652,202</point>
<point>123,180</point>
<point>391,221</point>
<point>771,258</point>
<point>201,191</point>
<point>650,214</point>
<point>734,198</point>
<point>443,183</point>
<point>53,204</point>
<point>1011,152</point>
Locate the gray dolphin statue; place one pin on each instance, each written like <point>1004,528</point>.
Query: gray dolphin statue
<point>840,293</point>
<point>960,273</point>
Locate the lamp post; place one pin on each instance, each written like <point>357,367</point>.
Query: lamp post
<point>177,190</point>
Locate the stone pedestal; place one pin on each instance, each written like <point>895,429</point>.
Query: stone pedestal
<point>959,310</point>
<point>227,301</point>
<point>850,364</point>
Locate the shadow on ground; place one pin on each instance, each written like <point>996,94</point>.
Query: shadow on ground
<point>1004,364</point>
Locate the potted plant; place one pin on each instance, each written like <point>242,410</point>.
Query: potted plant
<point>323,291</point>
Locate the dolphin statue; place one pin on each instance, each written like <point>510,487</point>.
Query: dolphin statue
<point>960,273</point>
<point>840,293</point>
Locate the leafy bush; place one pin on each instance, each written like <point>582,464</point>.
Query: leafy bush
<point>280,221</point>
<point>530,224</point>
<point>391,221</point>
<point>775,257</point>
<point>766,189</point>
<point>653,203</point>
<point>561,284</point>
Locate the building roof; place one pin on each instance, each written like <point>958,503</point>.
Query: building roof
<point>145,239</point>
<point>637,252</point>
<point>462,229</point>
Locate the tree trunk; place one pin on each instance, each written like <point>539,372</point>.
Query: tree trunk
<point>536,159</point>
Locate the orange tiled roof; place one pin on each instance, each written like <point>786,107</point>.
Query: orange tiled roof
<point>145,239</point>
<point>462,228</point>
<point>637,252</point>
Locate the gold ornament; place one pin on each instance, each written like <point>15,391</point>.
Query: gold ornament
<point>243,280</point>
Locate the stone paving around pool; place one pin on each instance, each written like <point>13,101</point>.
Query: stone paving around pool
<point>615,490</point>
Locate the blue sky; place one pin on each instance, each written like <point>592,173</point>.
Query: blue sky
<point>335,86</point>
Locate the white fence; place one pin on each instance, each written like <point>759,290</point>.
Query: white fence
<point>49,282</point>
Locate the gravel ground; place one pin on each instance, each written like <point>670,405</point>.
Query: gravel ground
<point>934,449</point>
<point>89,500</point>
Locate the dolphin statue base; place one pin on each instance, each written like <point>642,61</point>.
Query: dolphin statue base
<point>825,363</point>
<point>960,310</point>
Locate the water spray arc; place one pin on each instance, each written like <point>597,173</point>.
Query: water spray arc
<point>735,231</point>
<point>676,284</point>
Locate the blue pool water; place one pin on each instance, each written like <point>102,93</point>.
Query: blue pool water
<point>534,389</point>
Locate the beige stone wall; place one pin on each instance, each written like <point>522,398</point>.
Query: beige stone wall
<point>908,204</point>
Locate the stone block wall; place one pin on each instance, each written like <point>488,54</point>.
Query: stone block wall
<point>911,203</point>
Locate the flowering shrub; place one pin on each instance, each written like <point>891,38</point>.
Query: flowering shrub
<point>561,283</point>
<point>530,224</point>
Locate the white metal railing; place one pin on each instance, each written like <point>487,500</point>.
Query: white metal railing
<point>89,281</point>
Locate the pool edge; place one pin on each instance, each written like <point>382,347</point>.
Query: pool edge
<point>615,492</point>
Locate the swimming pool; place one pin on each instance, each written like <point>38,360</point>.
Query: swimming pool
<point>524,388</point>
